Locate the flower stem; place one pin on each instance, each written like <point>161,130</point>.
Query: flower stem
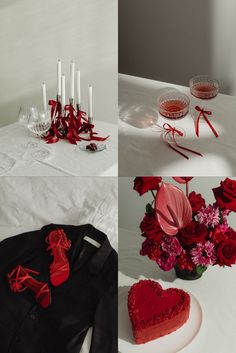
<point>187,189</point>
<point>153,194</point>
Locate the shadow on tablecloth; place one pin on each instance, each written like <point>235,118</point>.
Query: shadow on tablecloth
<point>138,108</point>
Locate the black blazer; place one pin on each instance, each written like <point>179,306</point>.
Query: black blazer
<point>88,298</point>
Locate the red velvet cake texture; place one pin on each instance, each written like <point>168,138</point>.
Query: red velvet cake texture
<point>155,312</point>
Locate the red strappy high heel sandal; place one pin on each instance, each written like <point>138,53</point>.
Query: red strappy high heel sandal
<point>20,279</point>
<point>59,268</point>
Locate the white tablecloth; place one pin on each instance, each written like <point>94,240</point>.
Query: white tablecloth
<point>215,291</point>
<point>141,148</point>
<point>63,159</point>
<point>27,204</point>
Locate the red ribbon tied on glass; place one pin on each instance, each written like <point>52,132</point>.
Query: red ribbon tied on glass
<point>203,114</point>
<point>171,132</point>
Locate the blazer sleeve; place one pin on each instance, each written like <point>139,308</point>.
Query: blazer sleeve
<point>105,328</point>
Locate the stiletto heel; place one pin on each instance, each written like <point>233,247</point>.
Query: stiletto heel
<point>59,268</point>
<point>20,279</point>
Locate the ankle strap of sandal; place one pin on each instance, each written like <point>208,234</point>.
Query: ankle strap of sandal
<point>43,289</point>
<point>62,242</point>
<point>17,277</point>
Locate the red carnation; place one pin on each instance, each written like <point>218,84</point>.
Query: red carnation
<point>150,226</point>
<point>192,234</point>
<point>222,232</point>
<point>196,201</point>
<point>227,253</point>
<point>225,194</point>
<point>218,235</point>
<point>144,184</point>
<point>151,248</point>
<point>184,262</point>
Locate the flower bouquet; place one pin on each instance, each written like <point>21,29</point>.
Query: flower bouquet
<point>184,233</point>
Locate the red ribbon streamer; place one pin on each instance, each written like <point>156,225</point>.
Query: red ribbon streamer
<point>81,116</point>
<point>88,128</point>
<point>170,130</point>
<point>203,113</point>
<point>69,125</point>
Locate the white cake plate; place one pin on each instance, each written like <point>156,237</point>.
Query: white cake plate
<point>171,343</point>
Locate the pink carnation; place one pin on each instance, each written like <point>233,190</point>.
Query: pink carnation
<point>223,228</point>
<point>224,215</point>
<point>209,216</point>
<point>204,254</point>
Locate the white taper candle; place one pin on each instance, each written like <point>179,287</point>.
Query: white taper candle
<point>63,91</point>
<point>72,80</point>
<point>78,86</point>
<point>44,93</point>
<point>59,77</point>
<point>90,101</point>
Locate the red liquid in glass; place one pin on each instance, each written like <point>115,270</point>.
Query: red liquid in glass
<point>173,106</point>
<point>173,109</point>
<point>204,90</point>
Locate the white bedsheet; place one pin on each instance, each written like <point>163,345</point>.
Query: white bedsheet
<point>28,203</point>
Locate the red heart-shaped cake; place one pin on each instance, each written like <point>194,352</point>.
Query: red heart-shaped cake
<point>155,312</point>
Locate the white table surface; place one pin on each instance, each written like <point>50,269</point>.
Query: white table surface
<point>143,152</point>
<point>64,158</point>
<point>215,291</point>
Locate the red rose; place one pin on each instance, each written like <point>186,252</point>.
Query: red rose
<point>192,234</point>
<point>220,234</point>
<point>196,201</point>
<point>144,184</point>
<point>217,235</point>
<point>231,234</point>
<point>150,226</point>
<point>225,194</point>
<point>227,253</point>
<point>151,248</point>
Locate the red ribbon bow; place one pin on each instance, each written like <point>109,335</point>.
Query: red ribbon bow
<point>203,113</point>
<point>170,130</point>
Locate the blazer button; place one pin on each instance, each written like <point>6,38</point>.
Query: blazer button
<point>33,316</point>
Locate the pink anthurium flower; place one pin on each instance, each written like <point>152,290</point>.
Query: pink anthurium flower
<point>182,180</point>
<point>173,209</point>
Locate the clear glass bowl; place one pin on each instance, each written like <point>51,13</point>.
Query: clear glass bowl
<point>99,147</point>
<point>204,87</point>
<point>39,122</point>
<point>173,105</point>
<point>23,115</point>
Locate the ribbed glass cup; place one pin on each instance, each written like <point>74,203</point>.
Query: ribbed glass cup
<point>204,87</point>
<point>173,105</point>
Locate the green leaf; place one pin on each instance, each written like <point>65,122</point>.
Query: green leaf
<point>149,208</point>
<point>200,269</point>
